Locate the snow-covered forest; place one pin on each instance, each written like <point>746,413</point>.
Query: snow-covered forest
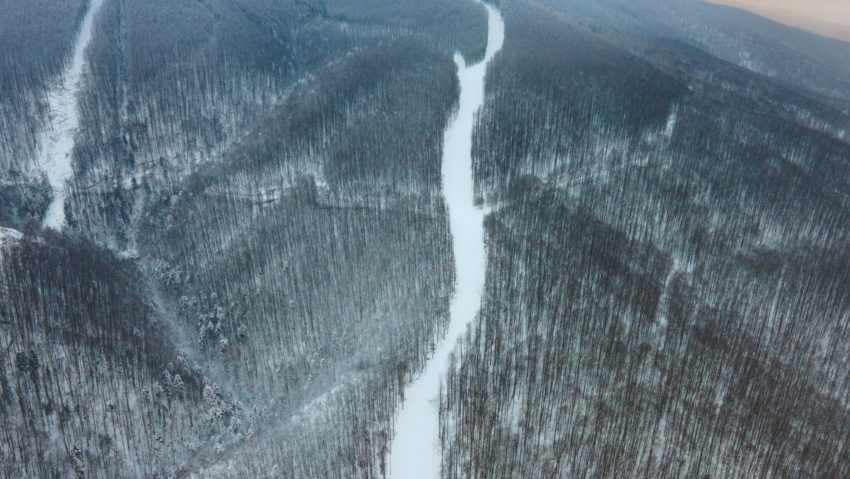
<point>258,255</point>
<point>668,292</point>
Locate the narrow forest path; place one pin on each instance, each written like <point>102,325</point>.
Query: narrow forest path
<point>57,143</point>
<point>415,450</point>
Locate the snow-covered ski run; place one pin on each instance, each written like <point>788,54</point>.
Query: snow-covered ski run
<point>415,450</point>
<point>57,143</point>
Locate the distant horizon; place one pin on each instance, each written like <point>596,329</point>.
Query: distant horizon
<point>830,18</point>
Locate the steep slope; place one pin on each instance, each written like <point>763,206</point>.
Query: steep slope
<point>259,257</point>
<point>415,448</point>
<point>91,384</point>
<point>667,281</point>
<point>277,183</point>
<point>57,144</point>
<point>47,28</point>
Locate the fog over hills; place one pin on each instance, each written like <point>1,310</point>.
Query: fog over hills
<point>422,238</point>
<point>825,17</point>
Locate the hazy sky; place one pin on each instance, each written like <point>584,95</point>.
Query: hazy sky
<point>827,17</point>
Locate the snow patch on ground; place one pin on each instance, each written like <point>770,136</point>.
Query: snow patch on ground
<point>415,450</point>
<point>57,142</point>
<point>670,128</point>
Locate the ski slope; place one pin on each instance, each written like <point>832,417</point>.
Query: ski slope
<point>57,143</point>
<point>415,450</point>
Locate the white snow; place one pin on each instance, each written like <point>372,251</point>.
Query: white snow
<point>57,143</point>
<point>670,128</point>
<point>415,450</point>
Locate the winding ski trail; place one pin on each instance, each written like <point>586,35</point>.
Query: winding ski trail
<point>415,450</point>
<point>57,144</point>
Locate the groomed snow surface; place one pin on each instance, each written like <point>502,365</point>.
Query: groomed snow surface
<point>57,143</point>
<point>415,450</point>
